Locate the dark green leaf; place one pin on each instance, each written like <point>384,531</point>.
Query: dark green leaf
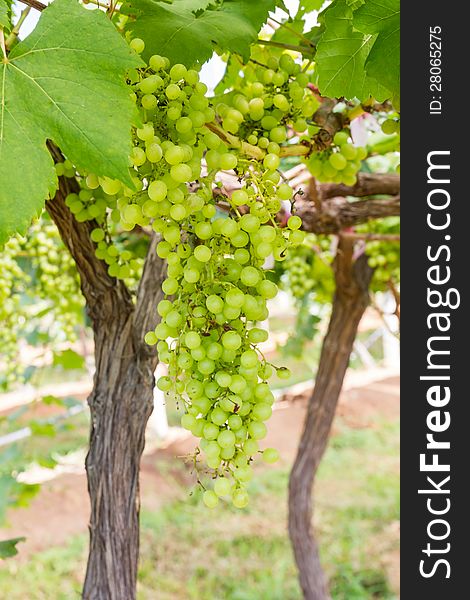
<point>8,547</point>
<point>68,359</point>
<point>175,30</point>
<point>341,57</point>
<point>64,82</point>
<point>382,18</point>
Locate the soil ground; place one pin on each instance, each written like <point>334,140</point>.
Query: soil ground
<point>61,509</point>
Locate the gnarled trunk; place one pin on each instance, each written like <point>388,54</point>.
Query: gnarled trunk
<point>120,403</point>
<point>350,301</point>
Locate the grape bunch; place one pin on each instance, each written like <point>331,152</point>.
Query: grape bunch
<point>31,266</point>
<point>268,105</point>
<point>384,258</point>
<point>13,282</point>
<point>216,289</point>
<point>297,269</point>
<point>100,199</point>
<point>384,255</point>
<point>54,276</point>
<point>339,163</point>
<point>307,273</point>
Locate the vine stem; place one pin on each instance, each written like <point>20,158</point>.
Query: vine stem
<point>16,29</point>
<point>2,44</point>
<point>292,30</point>
<point>368,237</point>
<point>254,151</point>
<point>34,4</point>
<point>301,49</point>
<point>235,142</point>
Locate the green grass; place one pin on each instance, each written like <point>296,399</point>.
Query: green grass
<point>190,553</point>
<point>71,434</point>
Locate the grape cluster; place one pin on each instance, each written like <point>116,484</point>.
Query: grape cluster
<point>298,279</point>
<point>264,110</point>
<point>307,273</point>
<point>384,255</point>
<point>216,288</point>
<point>339,163</point>
<point>100,199</point>
<point>54,276</point>
<point>384,258</point>
<point>36,267</point>
<point>13,282</point>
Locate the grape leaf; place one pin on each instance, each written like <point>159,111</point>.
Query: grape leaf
<point>4,20</point>
<point>355,3</point>
<point>64,82</point>
<point>382,18</point>
<point>341,57</point>
<point>8,547</point>
<point>307,6</point>
<point>184,35</point>
<point>231,75</point>
<point>286,34</point>
<point>68,359</point>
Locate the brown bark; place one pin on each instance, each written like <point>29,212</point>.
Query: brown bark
<point>120,403</point>
<point>337,213</point>
<point>368,184</point>
<point>34,4</point>
<point>350,301</point>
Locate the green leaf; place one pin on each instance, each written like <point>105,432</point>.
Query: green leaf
<point>307,6</point>
<point>42,428</point>
<point>65,82</point>
<point>314,35</point>
<point>286,33</point>
<point>355,3</point>
<point>14,493</point>
<point>382,18</point>
<point>68,359</point>
<point>4,20</point>
<point>341,57</point>
<point>50,399</point>
<point>175,30</point>
<point>231,75</point>
<point>8,547</point>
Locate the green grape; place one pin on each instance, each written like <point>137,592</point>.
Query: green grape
<point>210,499</point>
<point>271,161</point>
<point>338,161</point>
<point>270,455</point>
<point>222,487</point>
<point>341,137</point>
<point>137,45</point>
<point>390,126</point>
<point>231,340</point>
<point>228,161</point>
